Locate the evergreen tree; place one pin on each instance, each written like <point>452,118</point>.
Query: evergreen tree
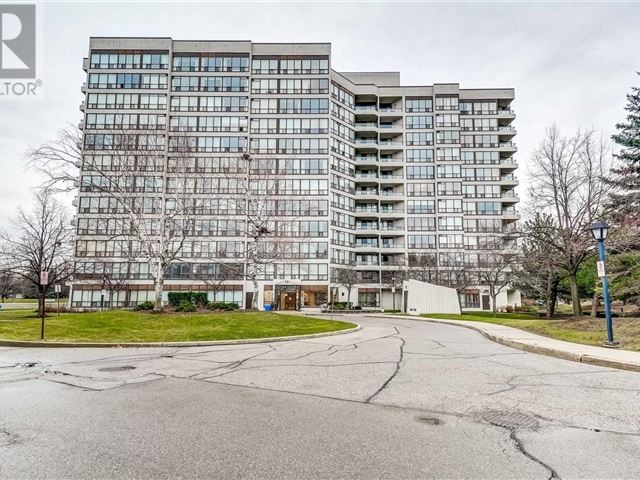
<point>624,206</point>
<point>625,178</point>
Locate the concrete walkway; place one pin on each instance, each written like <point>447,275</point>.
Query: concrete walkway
<point>530,342</point>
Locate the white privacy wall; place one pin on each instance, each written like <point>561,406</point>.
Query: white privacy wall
<point>422,297</point>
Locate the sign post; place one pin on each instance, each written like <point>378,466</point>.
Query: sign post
<point>44,281</point>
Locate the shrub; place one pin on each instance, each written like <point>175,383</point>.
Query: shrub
<point>509,309</point>
<point>144,306</point>
<point>222,306</point>
<point>185,306</point>
<point>356,307</point>
<point>195,298</point>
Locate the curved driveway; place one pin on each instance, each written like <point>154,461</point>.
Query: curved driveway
<point>398,399</point>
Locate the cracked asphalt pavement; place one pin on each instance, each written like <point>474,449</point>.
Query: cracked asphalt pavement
<point>398,399</point>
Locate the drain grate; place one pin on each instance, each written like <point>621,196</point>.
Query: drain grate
<point>122,368</point>
<point>429,420</point>
<point>510,420</point>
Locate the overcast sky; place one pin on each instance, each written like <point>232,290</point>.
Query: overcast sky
<point>570,63</point>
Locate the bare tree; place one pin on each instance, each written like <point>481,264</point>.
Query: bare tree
<point>347,277</point>
<point>539,275</point>
<point>567,183</point>
<point>39,242</point>
<point>256,183</point>
<point>423,267</point>
<point>7,284</point>
<point>496,271</point>
<point>154,211</point>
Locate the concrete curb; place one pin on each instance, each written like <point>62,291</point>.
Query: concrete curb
<point>29,344</point>
<point>603,358</point>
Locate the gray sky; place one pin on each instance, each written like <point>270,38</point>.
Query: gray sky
<point>570,63</point>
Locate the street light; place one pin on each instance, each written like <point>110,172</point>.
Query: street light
<point>599,230</point>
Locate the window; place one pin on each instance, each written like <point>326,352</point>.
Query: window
<point>420,138</point>
<point>449,223</point>
<point>420,206</point>
<point>421,224</point>
<point>419,155</point>
<point>264,65</point>
<point>450,188</point>
<point>450,206</point>
<point>309,65</point>
<point>224,64</point>
<point>446,103</point>
<point>419,172</point>
<point>447,120</point>
<point>155,60</point>
<point>422,122</point>
<point>422,241</point>
<point>418,105</point>
<point>448,136</point>
<point>449,171</point>
<point>115,60</point>
<point>186,64</point>
<point>448,154</point>
<point>450,241</point>
<point>420,189</point>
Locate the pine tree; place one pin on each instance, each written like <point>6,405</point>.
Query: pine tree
<point>625,178</point>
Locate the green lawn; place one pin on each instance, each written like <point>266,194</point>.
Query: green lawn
<point>586,330</point>
<point>130,326</point>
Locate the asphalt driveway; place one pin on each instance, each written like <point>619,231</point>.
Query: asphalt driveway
<point>398,399</point>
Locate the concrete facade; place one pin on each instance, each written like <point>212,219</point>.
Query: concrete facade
<point>389,180</point>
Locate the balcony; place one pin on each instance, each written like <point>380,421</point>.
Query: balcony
<point>367,227</point>
<point>366,108</point>
<point>366,246</point>
<point>85,64</point>
<point>366,176</point>
<point>509,180</point>
<point>390,126</point>
<point>510,197</point>
<point>367,159</point>
<point>391,246</point>
<point>510,213</point>
<point>506,130</point>
<point>391,194</point>
<point>395,178</point>
<point>508,147</point>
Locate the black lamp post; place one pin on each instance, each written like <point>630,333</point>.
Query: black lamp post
<point>599,230</point>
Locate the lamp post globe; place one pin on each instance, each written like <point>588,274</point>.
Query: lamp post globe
<point>599,230</point>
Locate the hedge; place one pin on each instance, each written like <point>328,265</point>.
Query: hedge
<point>196,298</point>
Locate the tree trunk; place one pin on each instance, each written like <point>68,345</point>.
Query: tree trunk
<point>349,299</point>
<point>494,305</point>
<point>254,273</point>
<point>594,304</point>
<point>159,286</point>
<point>575,297</point>
<point>552,295</point>
<point>254,298</point>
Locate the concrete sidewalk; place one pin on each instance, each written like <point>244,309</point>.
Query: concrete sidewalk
<point>530,342</point>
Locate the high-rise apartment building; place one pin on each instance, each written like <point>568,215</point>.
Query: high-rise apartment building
<point>361,172</point>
